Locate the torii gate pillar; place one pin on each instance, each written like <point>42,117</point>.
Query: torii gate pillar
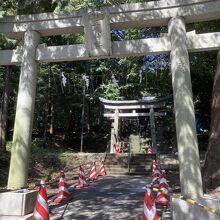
<point>188,153</point>
<point>153,131</point>
<point>114,130</point>
<point>18,172</point>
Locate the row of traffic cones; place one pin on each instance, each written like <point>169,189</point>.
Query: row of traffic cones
<point>158,181</point>
<point>83,181</point>
<point>41,210</point>
<point>93,174</point>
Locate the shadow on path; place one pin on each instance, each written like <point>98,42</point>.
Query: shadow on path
<point>107,198</point>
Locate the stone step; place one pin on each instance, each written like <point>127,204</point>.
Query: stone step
<point>115,163</point>
<point>110,157</point>
<point>140,167</point>
<point>152,156</point>
<point>133,170</point>
<point>141,158</point>
<point>117,156</point>
<point>133,163</point>
<point>114,160</point>
<point>133,155</point>
<point>133,160</point>
<point>141,162</point>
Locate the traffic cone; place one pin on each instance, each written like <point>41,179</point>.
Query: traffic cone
<point>149,212</point>
<point>117,148</point>
<point>154,166</point>
<point>93,175</point>
<point>82,178</point>
<point>41,210</point>
<point>156,174</point>
<point>155,180</point>
<point>149,150</point>
<point>102,169</point>
<point>162,197</point>
<point>163,174</point>
<point>63,192</point>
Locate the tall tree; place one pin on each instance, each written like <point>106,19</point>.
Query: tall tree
<point>211,172</point>
<point>4,109</point>
<point>5,43</point>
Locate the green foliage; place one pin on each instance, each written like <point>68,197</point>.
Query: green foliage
<point>9,146</point>
<point>203,67</point>
<point>6,43</point>
<point>42,147</point>
<point>109,91</point>
<point>1,78</point>
<point>69,5</point>
<point>1,12</point>
<point>204,27</point>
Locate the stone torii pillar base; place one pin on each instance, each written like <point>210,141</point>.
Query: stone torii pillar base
<point>17,205</point>
<point>181,210</point>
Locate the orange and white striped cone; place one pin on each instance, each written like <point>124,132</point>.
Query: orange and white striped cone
<point>154,166</point>
<point>149,150</point>
<point>155,180</point>
<point>41,210</point>
<point>82,182</point>
<point>163,174</point>
<point>163,199</point>
<point>93,175</point>
<point>157,172</point>
<point>117,148</point>
<point>63,192</point>
<point>102,169</point>
<point>149,212</point>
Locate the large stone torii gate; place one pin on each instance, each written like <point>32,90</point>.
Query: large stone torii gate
<point>97,25</point>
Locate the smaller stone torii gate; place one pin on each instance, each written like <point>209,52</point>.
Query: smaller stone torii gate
<point>152,106</point>
<point>96,27</point>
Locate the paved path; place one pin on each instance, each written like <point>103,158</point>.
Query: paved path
<point>106,199</point>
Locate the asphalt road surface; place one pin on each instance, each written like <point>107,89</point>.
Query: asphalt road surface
<point>105,199</point>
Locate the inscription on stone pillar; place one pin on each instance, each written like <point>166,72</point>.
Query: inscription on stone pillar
<point>97,33</point>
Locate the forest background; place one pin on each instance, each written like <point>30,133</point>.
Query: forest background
<point>66,89</point>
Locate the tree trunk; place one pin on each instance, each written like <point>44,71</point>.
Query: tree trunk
<point>211,172</point>
<point>4,110</point>
<point>46,112</point>
<point>66,128</point>
<point>49,110</point>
